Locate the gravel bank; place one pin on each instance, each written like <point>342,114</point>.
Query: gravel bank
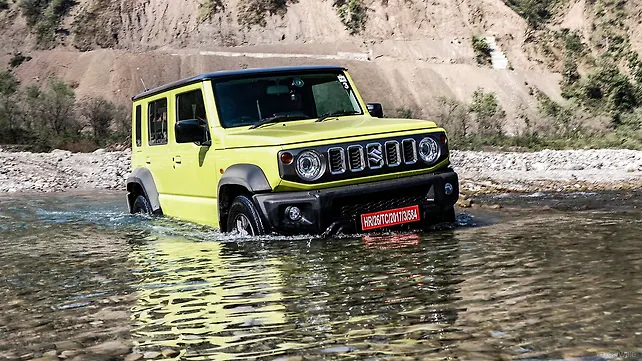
<point>479,171</point>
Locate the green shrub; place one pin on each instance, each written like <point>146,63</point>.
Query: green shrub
<point>208,8</point>
<point>454,116</point>
<point>4,5</point>
<point>44,17</point>
<point>353,14</point>
<point>488,114</point>
<point>535,12</point>
<point>482,50</point>
<point>254,12</point>
<point>17,59</point>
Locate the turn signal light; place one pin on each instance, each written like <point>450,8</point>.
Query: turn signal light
<point>443,139</point>
<point>287,158</point>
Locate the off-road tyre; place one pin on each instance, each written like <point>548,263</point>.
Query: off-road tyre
<point>141,205</point>
<point>244,218</point>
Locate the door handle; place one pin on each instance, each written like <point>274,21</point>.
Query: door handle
<point>148,160</point>
<point>177,159</point>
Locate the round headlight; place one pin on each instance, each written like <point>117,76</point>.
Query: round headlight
<point>309,165</point>
<point>429,150</point>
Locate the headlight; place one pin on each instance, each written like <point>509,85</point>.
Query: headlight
<point>429,150</point>
<point>309,165</point>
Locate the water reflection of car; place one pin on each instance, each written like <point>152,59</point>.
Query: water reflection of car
<point>256,300</point>
<point>285,150</point>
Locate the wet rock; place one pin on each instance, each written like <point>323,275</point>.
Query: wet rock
<point>67,345</point>
<point>338,349</point>
<point>151,355</point>
<point>135,356</point>
<point>111,348</point>
<point>168,352</point>
<point>465,203</point>
<point>69,354</point>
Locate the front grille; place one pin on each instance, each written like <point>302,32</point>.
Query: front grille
<point>393,153</point>
<point>337,160</point>
<point>352,207</point>
<point>409,151</point>
<point>356,159</point>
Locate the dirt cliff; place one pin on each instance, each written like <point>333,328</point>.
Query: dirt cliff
<point>406,54</point>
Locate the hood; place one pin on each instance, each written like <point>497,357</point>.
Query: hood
<point>302,131</point>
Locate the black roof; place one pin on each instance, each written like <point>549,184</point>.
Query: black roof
<point>233,73</point>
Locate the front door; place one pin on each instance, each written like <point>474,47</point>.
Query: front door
<point>194,185</point>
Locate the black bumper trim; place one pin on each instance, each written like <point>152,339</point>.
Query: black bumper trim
<point>322,208</point>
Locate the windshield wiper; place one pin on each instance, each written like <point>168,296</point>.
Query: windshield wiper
<point>337,114</point>
<point>276,119</point>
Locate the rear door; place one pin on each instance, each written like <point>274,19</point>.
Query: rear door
<point>155,155</point>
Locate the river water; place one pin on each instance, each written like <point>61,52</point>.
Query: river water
<point>547,277</point>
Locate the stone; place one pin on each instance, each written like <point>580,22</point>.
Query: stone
<point>168,352</point>
<point>151,355</point>
<point>67,345</point>
<point>69,354</point>
<point>111,348</point>
<point>135,356</point>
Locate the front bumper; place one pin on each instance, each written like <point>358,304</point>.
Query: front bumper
<point>340,208</point>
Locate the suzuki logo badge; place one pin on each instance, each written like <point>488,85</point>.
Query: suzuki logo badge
<point>375,156</point>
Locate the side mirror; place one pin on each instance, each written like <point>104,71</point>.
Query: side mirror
<point>190,131</point>
<point>375,109</point>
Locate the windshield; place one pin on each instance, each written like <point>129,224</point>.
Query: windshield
<point>293,96</point>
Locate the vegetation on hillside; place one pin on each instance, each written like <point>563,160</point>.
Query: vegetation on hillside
<point>353,14</point>
<point>49,116</point>
<point>535,12</point>
<point>482,50</point>
<point>44,17</point>
<point>602,74</point>
<point>254,12</point>
<point>480,124</point>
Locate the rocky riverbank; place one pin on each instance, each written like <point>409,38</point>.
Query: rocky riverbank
<point>480,172</point>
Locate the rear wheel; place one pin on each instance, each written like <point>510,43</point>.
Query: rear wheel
<point>141,205</point>
<point>243,218</point>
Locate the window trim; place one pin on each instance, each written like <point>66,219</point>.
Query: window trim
<point>138,126</point>
<point>149,120</point>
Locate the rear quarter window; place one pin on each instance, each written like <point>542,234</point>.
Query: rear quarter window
<point>138,133</point>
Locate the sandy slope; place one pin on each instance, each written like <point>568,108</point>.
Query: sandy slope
<point>418,50</point>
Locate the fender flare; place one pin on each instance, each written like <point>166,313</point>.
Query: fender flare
<point>143,177</point>
<point>249,176</point>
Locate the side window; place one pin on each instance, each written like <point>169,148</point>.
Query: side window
<point>157,114</point>
<point>190,106</point>
<point>325,96</point>
<point>139,140</point>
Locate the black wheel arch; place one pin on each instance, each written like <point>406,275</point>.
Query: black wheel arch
<point>141,182</point>
<point>239,179</point>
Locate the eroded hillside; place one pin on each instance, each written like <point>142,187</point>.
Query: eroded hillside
<point>409,54</point>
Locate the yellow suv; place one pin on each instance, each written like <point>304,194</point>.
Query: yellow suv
<point>285,150</point>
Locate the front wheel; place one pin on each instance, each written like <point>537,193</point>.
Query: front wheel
<point>244,219</point>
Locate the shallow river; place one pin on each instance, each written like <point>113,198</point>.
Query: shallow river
<point>547,277</point>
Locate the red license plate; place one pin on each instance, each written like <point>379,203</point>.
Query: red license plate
<point>390,218</point>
